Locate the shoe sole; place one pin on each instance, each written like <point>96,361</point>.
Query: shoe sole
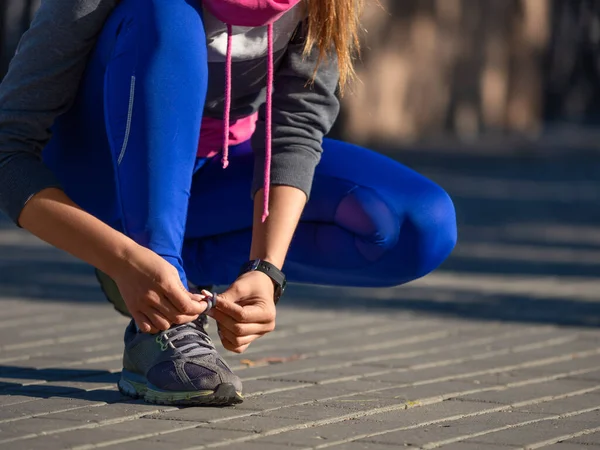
<point>136,386</point>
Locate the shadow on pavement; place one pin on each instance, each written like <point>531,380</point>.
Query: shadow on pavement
<point>55,383</point>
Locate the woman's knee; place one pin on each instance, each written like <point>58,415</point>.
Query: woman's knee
<point>173,24</point>
<point>411,240</point>
<point>426,239</point>
<point>434,220</point>
<point>375,226</point>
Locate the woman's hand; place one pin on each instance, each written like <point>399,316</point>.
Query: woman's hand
<point>246,311</point>
<point>154,294</point>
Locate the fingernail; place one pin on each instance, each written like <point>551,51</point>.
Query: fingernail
<point>211,299</point>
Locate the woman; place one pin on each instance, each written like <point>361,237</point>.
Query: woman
<point>149,100</point>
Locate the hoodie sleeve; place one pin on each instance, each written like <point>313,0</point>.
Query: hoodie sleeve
<point>303,113</point>
<point>41,84</point>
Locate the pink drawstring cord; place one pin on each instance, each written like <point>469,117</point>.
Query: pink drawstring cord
<point>227,106</point>
<point>269,123</point>
<point>268,113</point>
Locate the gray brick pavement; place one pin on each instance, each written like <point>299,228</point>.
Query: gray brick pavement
<point>499,349</point>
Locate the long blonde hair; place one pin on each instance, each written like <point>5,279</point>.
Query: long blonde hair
<point>335,25</point>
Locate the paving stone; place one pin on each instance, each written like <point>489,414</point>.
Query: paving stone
<point>143,426</point>
<point>563,405</point>
<point>311,411</point>
<point>40,406</point>
<point>590,376</point>
<point>542,431</point>
<point>570,446</point>
<point>515,376</point>
<point>329,433</point>
<point>477,446</point>
<point>448,409</point>
<point>260,444</point>
<point>111,411</point>
<point>253,387</point>
<point>325,376</point>
<point>256,424</point>
<point>60,441</point>
<point>588,439</point>
<point>141,444</point>
<point>153,444</point>
<point>401,395</point>
<point>530,391</point>
<point>309,393</point>
<point>580,363</point>
<point>362,445</point>
<point>199,436</point>
<point>7,400</point>
<point>452,429</point>
<point>34,426</point>
<point>203,415</point>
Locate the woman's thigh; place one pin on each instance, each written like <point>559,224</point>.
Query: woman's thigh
<point>370,221</point>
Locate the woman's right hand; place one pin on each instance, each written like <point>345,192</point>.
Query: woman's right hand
<point>154,293</point>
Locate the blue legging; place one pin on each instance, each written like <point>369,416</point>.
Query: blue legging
<point>126,153</point>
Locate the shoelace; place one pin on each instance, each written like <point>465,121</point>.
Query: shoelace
<point>189,339</point>
<point>191,347</point>
<point>268,112</point>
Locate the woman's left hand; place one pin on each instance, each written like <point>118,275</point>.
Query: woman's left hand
<point>245,311</point>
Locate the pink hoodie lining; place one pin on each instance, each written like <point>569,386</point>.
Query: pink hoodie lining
<point>211,132</point>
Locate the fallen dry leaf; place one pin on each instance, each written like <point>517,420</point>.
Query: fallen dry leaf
<point>270,360</point>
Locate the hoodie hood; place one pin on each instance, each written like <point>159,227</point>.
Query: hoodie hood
<point>249,13</point>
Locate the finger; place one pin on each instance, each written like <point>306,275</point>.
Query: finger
<point>245,314</point>
<point>231,346</point>
<point>227,306</point>
<point>240,329</point>
<point>239,341</point>
<point>159,321</point>
<point>166,308</point>
<point>185,302</point>
<point>143,323</point>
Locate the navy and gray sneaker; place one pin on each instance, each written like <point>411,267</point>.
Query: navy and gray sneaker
<point>178,367</point>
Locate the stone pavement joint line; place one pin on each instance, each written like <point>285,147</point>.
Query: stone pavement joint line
<point>566,437</point>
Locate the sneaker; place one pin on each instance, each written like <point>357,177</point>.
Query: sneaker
<point>177,367</point>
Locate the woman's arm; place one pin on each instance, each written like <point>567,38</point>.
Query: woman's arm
<point>271,239</point>
<point>54,218</point>
<point>303,112</point>
<point>150,286</point>
<point>41,84</point>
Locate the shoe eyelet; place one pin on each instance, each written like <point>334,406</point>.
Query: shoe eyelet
<point>164,347</point>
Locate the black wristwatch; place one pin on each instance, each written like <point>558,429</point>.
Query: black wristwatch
<point>271,271</point>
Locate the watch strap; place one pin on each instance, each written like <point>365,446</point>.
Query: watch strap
<point>278,277</point>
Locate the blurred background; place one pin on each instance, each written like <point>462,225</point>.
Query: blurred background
<point>464,70</point>
<point>496,100</point>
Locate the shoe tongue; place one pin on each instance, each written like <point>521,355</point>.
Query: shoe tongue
<point>191,333</point>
